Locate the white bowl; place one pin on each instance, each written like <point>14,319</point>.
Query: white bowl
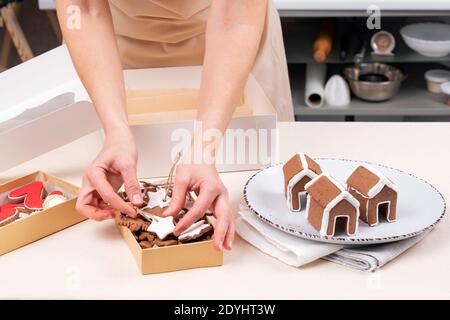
<point>429,39</point>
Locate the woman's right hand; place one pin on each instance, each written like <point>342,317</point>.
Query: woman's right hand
<point>114,166</point>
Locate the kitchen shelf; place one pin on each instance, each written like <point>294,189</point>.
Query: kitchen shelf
<point>412,100</point>
<point>299,38</point>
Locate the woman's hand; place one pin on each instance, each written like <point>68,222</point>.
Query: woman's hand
<point>116,163</point>
<point>114,166</point>
<point>212,194</point>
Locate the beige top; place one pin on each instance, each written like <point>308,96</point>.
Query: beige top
<point>168,33</point>
<point>160,33</point>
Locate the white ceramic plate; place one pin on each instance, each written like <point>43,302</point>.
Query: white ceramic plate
<point>420,205</point>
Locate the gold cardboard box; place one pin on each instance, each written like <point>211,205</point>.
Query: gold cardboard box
<point>37,226</point>
<point>172,258</point>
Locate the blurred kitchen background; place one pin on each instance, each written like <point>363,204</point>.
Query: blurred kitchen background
<point>340,70</point>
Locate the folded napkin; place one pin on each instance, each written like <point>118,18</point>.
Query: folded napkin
<point>296,251</point>
<point>372,257</point>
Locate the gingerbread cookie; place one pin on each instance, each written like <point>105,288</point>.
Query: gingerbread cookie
<point>30,194</point>
<point>147,236</point>
<point>330,207</point>
<point>298,171</point>
<point>159,198</point>
<point>10,212</point>
<point>180,215</point>
<point>162,227</point>
<point>133,224</point>
<point>146,244</point>
<point>164,243</point>
<point>376,194</point>
<point>195,231</point>
<point>154,230</point>
<point>147,186</point>
<point>156,211</point>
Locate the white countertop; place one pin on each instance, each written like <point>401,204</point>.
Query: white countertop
<point>336,4</point>
<point>90,260</point>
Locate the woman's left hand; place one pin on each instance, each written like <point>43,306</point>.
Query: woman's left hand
<point>204,180</point>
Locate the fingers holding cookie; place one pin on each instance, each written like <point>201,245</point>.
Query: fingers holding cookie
<point>178,199</point>
<point>198,210</point>
<point>97,180</point>
<point>92,207</point>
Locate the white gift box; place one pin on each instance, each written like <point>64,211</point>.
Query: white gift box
<point>44,106</point>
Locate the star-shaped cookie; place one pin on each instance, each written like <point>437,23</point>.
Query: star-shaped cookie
<point>162,227</point>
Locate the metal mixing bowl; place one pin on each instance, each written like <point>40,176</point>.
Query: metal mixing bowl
<point>382,83</point>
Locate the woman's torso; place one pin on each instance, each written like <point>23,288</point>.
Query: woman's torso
<point>154,33</point>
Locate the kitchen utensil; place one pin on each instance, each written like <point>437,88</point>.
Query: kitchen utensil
<point>314,84</point>
<point>435,78</point>
<point>359,55</point>
<point>420,205</point>
<point>374,81</point>
<point>337,92</point>
<point>323,43</point>
<point>430,39</point>
<point>382,43</point>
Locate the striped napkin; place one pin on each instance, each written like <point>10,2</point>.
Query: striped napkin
<point>296,251</point>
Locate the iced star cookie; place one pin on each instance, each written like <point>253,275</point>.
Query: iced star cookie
<point>195,231</point>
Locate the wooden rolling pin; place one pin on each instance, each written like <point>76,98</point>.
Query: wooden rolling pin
<point>324,41</point>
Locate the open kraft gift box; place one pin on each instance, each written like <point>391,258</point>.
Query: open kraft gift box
<point>181,256</point>
<point>172,258</point>
<point>41,224</point>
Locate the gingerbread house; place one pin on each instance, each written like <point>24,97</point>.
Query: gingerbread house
<point>330,208</point>
<point>298,171</point>
<point>376,194</point>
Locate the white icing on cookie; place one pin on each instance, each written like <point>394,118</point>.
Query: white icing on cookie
<point>53,200</point>
<point>156,199</point>
<point>194,230</point>
<point>23,215</point>
<point>162,227</point>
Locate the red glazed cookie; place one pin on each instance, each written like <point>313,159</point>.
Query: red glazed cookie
<point>30,194</point>
<point>10,212</point>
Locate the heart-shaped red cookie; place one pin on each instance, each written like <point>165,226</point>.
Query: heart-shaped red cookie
<point>30,194</point>
<point>10,212</point>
